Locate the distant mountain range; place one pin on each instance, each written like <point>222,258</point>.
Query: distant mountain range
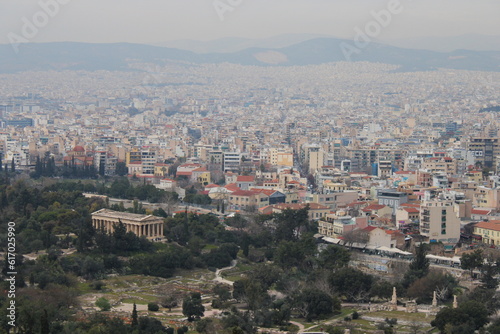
<point>119,56</point>
<point>474,42</point>
<point>235,44</point>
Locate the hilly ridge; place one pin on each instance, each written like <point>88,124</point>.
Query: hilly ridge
<point>119,56</point>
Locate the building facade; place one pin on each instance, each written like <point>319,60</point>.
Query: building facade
<point>148,226</point>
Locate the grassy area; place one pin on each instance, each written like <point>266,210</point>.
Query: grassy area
<point>137,301</point>
<point>400,315</point>
<point>235,273</point>
<point>84,288</point>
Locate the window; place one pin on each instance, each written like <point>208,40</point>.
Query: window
<point>443,231</point>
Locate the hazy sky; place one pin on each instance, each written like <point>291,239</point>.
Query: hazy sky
<point>153,21</point>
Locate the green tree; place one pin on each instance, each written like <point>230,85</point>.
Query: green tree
<point>471,261</point>
<point>419,266</point>
<point>351,283</point>
<point>334,257</point>
<point>44,323</point>
<point>192,306</point>
<point>381,289</point>
<point>488,276</point>
<point>135,320</point>
<point>470,314</point>
<point>313,304</point>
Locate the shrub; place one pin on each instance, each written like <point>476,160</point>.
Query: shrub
<point>153,307</point>
<point>97,285</point>
<point>103,304</point>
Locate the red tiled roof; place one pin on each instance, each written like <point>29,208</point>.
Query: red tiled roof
<point>245,178</point>
<point>480,212</point>
<point>405,172</point>
<point>232,187</point>
<point>491,225</point>
<point>245,193</point>
<point>411,210</point>
<point>374,207</point>
<point>370,228</point>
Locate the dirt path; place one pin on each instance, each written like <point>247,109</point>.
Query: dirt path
<point>298,324</point>
<point>218,277</point>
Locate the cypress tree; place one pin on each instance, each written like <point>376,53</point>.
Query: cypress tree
<point>135,321</point>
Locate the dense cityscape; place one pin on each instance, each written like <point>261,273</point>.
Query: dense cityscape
<point>255,190</point>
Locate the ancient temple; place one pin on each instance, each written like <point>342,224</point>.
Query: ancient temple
<point>141,225</point>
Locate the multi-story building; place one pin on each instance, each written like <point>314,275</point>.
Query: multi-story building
<point>392,198</point>
<point>488,231</point>
<point>485,150</point>
<point>337,225</point>
<point>439,221</point>
<point>248,200</point>
<point>441,165</point>
<point>384,168</point>
<point>487,198</point>
<point>231,161</point>
<point>316,159</point>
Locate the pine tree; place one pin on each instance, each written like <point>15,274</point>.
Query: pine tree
<point>13,165</point>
